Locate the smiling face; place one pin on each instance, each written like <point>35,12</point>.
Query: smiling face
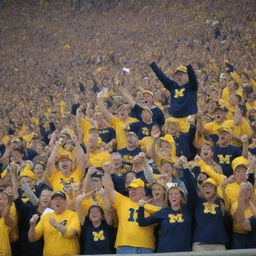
<point>95,214</point>
<point>131,140</point>
<point>59,204</point>
<point>136,194</point>
<point>167,168</point>
<point>175,197</point>
<point>45,198</point>
<point>240,174</point>
<point>116,161</point>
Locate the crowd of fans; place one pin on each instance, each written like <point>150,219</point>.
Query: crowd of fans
<point>136,135</point>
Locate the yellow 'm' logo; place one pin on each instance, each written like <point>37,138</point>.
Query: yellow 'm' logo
<point>175,218</point>
<point>224,159</point>
<point>179,93</point>
<point>98,236</point>
<point>210,208</point>
<point>145,131</point>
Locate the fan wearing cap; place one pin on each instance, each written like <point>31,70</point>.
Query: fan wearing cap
<point>62,169</point>
<point>131,238</point>
<point>25,212</point>
<point>209,232</point>
<point>177,218</point>
<point>239,125</point>
<point>224,152</point>
<point>231,186</point>
<point>137,109</point>
<point>183,89</point>
<point>118,122</point>
<point>132,149</point>
<point>211,128</point>
<point>243,212</point>
<point>60,229</point>
<point>26,177</point>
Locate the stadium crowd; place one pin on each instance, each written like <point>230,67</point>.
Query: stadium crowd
<point>141,157</point>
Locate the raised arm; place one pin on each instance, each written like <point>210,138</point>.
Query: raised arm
<point>192,78</point>
<point>104,110</point>
<point>166,81</point>
<point>108,183</point>
<point>51,163</point>
<point>79,199</point>
<point>245,142</point>
<point>79,154</point>
<point>152,151</point>
<point>127,96</point>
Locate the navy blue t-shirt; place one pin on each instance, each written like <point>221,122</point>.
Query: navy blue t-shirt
<point>175,226</point>
<point>141,129</point>
<point>183,98</point>
<point>107,134</point>
<point>225,156</point>
<point>209,226</point>
<point>96,240</point>
<point>128,155</point>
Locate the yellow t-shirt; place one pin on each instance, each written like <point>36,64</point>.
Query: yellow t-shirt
<point>225,96</point>
<point>212,127</point>
<point>129,233</point>
<point>231,194</point>
<point>85,125</point>
<point>5,233</point>
<point>117,124</point>
<point>98,159</point>
<point>58,180</point>
<point>54,242</point>
<point>247,214</point>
